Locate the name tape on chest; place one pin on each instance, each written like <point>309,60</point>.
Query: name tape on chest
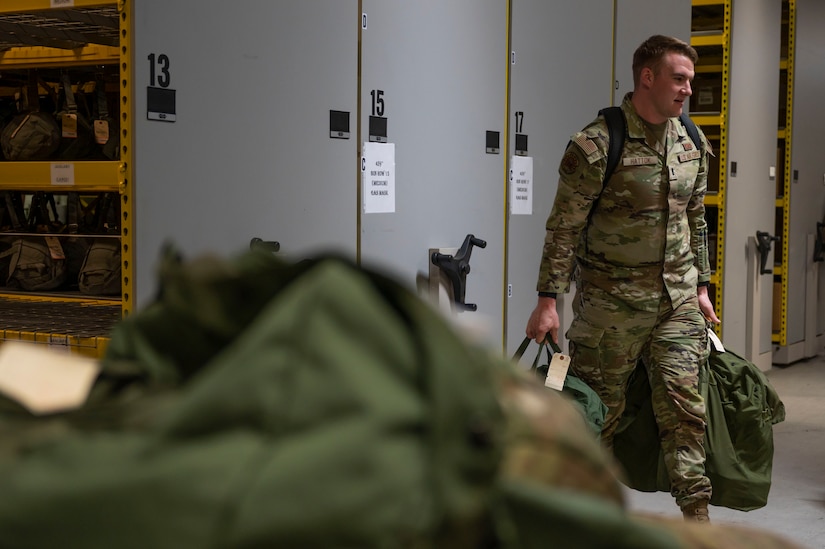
<point>640,161</point>
<point>688,156</point>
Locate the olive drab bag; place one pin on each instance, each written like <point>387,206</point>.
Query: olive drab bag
<point>255,403</point>
<point>100,272</point>
<point>587,401</point>
<point>219,420</point>
<point>742,408</point>
<point>38,263</point>
<point>31,134</point>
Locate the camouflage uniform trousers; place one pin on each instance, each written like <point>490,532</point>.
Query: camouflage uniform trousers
<point>608,338</point>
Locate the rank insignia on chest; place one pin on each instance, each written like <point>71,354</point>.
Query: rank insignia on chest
<point>688,146</point>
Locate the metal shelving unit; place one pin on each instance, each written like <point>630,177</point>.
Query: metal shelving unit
<point>87,36</point>
<point>783,191</point>
<point>711,35</point>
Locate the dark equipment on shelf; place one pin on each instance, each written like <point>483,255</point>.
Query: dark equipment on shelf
<point>819,243</point>
<point>457,268</point>
<point>763,242</point>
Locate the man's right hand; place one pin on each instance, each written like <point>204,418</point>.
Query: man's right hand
<point>543,320</point>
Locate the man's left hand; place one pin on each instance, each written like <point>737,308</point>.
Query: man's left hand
<point>706,306</point>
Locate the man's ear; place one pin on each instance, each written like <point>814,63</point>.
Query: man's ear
<point>646,77</point>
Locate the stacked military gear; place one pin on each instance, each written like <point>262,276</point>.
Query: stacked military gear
<point>58,256</point>
<point>37,263</point>
<point>256,403</point>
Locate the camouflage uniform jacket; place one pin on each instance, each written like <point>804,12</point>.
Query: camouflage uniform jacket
<point>645,232</point>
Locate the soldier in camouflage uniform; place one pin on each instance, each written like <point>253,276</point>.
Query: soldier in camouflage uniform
<point>639,244</point>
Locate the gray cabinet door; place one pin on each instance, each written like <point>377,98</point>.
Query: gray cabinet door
<point>560,79</point>
<point>435,72</point>
<point>637,20</point>
<point>807,200</point>
<point>249,153</point>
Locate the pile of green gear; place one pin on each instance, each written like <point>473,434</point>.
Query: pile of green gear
<point>261,403</point>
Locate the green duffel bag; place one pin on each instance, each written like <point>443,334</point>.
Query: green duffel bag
<point>742,408</point>
<point>591,406</point>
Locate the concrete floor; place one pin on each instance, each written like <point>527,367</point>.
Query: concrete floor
<point>796,504</point>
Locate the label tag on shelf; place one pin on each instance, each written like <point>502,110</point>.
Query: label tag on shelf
<point>61,3</point>
<point>45,381</point>
<point>62,173</point>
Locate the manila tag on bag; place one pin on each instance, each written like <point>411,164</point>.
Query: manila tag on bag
<point>77,139</point>
<point>554,375</point>
<point>106,127</point>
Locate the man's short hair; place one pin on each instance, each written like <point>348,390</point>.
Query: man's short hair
<point>651,52</point>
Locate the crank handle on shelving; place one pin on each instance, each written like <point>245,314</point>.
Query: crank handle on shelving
<point>763,244</point>
<point>457,267</point>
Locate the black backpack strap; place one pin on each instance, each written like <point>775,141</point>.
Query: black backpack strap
<point>616,131</point>
<point>692,131</point>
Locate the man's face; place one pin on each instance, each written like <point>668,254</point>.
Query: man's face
<point>670,85</point>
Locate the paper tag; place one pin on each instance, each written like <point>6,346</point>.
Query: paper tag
<point>101,132</point>
<point>55,249</point>
<point>557,371</point>
<point>69,125</point>
<point>717,343</point>
<point>45,381</point>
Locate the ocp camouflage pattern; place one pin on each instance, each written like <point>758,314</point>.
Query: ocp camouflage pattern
<point>645,232</point>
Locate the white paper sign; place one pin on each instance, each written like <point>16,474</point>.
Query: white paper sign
<point>521,185</point>
<point>45,381</point>
<point>62,173</point>
<point>378,177</point>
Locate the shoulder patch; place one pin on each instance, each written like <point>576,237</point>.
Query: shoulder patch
<point>570,163</point>
<point>586,144</point>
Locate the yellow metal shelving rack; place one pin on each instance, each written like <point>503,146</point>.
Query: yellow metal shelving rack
<point>37,34</point>
<point>783,200</point>
<point>714,58</point>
